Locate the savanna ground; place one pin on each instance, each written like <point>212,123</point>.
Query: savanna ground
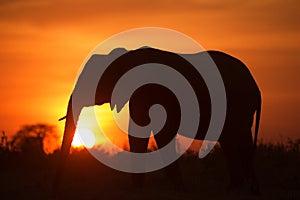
<point>25,177</point>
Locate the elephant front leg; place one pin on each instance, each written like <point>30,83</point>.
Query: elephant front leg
<point>137,145</point>
<point>173,170</point>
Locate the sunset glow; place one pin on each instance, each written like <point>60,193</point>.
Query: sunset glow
<point>83,137</point>
<point>140,60</point>
<point>45,43</point>
<point>100,119</point>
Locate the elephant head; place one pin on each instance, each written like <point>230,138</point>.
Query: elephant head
<point>88,87</point>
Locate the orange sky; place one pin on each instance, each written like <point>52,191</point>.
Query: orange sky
<point>43,44</point>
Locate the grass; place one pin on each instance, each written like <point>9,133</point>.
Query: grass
<point>26,177</point>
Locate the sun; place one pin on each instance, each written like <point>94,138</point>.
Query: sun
<point>96,121</point>
<point>83,137</point>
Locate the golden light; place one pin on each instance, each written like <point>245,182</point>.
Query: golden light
<point>83,137</point>
<point>91,128</point>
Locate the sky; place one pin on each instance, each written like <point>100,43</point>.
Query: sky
<point>43,44</point>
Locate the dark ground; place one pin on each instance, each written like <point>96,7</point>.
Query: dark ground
<point>25,177</point>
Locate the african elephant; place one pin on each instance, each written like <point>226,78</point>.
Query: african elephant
<point>243,100</point>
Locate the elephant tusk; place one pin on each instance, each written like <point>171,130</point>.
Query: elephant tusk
<point>62,118</point>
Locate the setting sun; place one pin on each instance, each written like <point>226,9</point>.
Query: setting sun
<point>83,137</point>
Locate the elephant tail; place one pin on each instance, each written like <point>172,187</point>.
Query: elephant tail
<point>257,121</point>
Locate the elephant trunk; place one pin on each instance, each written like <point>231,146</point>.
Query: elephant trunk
<point>69,132</point>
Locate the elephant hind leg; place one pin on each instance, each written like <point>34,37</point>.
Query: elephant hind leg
<point>239,152</point>
<point>233,164</point>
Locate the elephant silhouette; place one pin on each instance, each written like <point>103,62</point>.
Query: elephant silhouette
<point>243,101</point>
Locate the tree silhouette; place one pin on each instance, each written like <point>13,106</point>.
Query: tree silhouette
<point>3,142</point>
<point>31,138</point>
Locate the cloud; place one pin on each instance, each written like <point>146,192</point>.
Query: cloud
<point>45,13</point>
<point>225,20</point>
